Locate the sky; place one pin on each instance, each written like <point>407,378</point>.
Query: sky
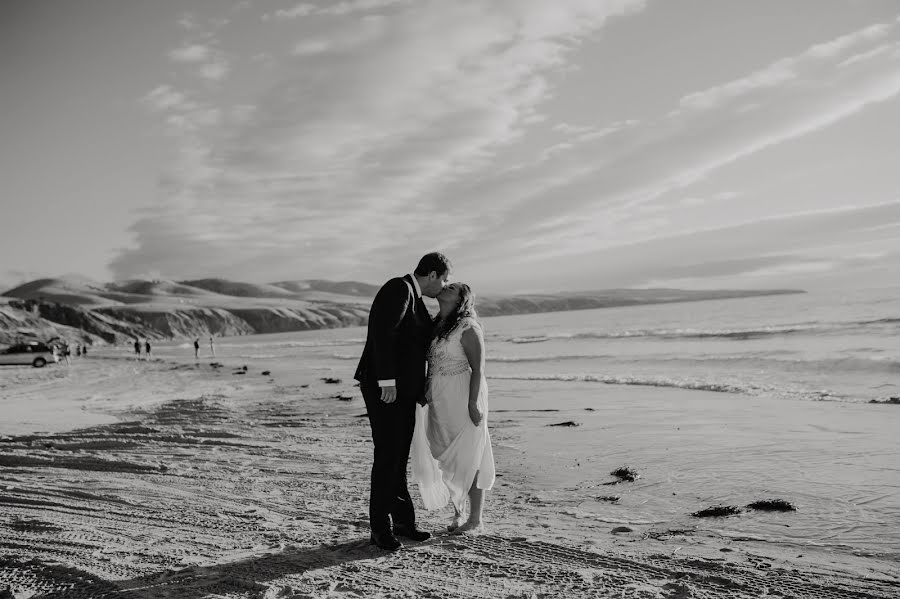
<point>543,146</point>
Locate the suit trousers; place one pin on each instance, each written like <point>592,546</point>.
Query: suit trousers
<point>392,432</point>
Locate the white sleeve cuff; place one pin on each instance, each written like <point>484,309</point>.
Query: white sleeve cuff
<point>387,383</point>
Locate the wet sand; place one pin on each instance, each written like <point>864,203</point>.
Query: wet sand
<point>170,479</point>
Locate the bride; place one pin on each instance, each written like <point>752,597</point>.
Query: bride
<point>452,455</point>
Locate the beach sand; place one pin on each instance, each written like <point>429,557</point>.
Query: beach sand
<point>121,478</point>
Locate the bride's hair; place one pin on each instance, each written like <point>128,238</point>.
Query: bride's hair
<point>465,308</point>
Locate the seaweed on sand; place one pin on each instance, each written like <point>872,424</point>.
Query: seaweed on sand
<point>772,505</point>
<point>625,473</point>
<point>717,511</point>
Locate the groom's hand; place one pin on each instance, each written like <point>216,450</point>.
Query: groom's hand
<point>389,394</point>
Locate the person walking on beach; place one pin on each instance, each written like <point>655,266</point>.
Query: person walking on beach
<point>147,348</point>
<point>451,430</point>
<point>212,348</point>
<point>197,348</point>
<point>391,375</point>
<point>137,349</point>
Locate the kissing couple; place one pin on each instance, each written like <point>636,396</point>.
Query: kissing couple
<point>411,359</point>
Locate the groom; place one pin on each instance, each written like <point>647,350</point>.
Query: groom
<point>391,375</point>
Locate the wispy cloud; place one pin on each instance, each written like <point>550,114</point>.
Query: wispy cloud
<point>305,9</point>
<point>348,153</point>
<point>432,125</point>
<point>351,6</point>
<point>165,98</point>
<point>190,53</point>
<point>706,133</point>
<point>215,70</point>
<point>300,9</point>
<point>201,52</point>
<point>783,71</point>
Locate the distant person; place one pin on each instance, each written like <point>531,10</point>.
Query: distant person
<point>66,352</point>
<point>84,351</point>
<point>137,349</point>
<point>147,348</point>
<point>56,354</point>
<point>197,348</point>
<point>212,348</point>
<point>78,349</point>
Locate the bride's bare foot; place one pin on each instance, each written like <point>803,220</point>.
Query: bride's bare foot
<point>469,527</point>
<point>456,523</point>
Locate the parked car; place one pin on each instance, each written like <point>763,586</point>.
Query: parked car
<point>34,353</point>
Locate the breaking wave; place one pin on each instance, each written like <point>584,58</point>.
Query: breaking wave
<point>692,384</point>
<point>811,328</point>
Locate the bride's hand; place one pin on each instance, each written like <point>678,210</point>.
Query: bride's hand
<point>475,413</point>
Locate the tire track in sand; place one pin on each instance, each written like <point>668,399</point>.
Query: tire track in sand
<point>264,495</point>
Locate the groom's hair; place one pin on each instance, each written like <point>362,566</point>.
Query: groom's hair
<point>435,261</point>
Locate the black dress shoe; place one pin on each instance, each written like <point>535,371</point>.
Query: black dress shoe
<point>386,540</point>
<point>411,532</point>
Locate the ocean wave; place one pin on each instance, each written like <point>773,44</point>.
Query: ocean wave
<point>630,380</point>
<point>736,334</point>
<point>753,361</point>
<point>549,358</point>
<point>746,388</point>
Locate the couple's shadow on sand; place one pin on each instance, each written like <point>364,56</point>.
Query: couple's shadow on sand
<point>248,575</point>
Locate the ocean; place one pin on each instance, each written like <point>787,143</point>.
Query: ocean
<point>841,346</point>
<point>838,347</point>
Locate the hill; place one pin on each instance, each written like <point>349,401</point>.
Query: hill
<point>73,307</point>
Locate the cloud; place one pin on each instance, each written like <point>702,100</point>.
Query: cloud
<point>606,182</point>
<point>164,98</point>
<point>348,154</point>
<point>810,242</point>
<point>366,31</point>
<point>190,53</point>
<point>188,22</point>
<point>216,70</point>
<point>781,71</point>
<point>347,7</point>
<point>433,126</point>
<point>338,9</point>
<point>301,9</point>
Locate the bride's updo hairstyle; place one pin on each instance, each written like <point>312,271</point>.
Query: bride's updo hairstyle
<point>465,308</point>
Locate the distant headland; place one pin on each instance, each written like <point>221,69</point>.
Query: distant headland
<point>79,309</point>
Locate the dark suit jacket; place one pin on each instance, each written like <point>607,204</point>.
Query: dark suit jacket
<point>397,341</point>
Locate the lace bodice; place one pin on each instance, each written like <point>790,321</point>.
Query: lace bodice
<point>446,357</point>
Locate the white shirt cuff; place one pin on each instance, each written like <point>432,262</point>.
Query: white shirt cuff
<point>387,383</point>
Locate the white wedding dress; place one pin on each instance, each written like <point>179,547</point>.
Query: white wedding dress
<point>447,449</point>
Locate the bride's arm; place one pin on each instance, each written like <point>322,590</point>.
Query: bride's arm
<point>473,345</point>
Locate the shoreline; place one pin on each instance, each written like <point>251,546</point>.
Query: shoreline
<point>243,484</point>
